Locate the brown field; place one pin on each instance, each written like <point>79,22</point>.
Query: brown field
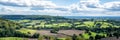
<point>71,32</point>
<point>61,33</point>
<point>45,32</point>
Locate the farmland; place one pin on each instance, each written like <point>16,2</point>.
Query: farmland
<point>56,28</point>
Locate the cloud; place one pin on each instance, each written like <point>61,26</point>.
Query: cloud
<point>86,6</point>
<point>12,10</point>
<point>47,7</point>
<point>38,6</point>
<point>94,5</point>
<point>56,8</point>
<point>94,8</point>
<point>27,3</point>
<point>89,3</point>
<point>113,6</point>
<point>62,9</point>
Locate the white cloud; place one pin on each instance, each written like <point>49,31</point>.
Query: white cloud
<point>10,10</point>
<point>89,4</point>
<point>33,5</point>
<point>94,1</point>
<point>113,6</point>
<point>27,3</point>
<point>86,5</point>
<point>47,7</point>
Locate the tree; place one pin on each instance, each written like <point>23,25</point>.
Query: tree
<point>79,38</point>
<point>98,25</point>
<point>109,34</point>
<point>51,38</point>
<point>54,31</point>
<point>74,36</point>
<point>36,35</point>
<point>41,38</point>
<point>68,38</point>
<point>98,37</point>
<point>91,38</point>
<point>117,35</point>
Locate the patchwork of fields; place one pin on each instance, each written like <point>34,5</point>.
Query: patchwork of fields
<point>26,27</point>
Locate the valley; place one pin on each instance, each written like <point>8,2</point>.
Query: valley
<point>43,27</point>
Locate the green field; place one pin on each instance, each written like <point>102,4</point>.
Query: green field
<point>26,31</point>
<point>13,38</point>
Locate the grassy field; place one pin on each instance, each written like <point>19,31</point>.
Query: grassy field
<point>13,38</point>
<point>26,31</point>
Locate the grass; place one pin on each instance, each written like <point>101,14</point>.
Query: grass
<point>23,30</point>
<point>86,36</point>
<point>89,23</point>
<point>61,38</point>
<point>103,34</point>
<point>42,23</point>
<point>105,25</point>
<point>93,34</point>
<point>13,38</point>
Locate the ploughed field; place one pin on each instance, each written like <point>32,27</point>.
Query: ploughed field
<point>61,33</point>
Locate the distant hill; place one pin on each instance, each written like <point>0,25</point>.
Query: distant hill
<point>94,17</point>
<point>111,38</point>
<point>32,17</point>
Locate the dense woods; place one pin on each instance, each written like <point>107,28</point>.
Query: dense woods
<point>9,29</point>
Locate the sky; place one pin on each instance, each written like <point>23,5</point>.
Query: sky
<point>60,7</point>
